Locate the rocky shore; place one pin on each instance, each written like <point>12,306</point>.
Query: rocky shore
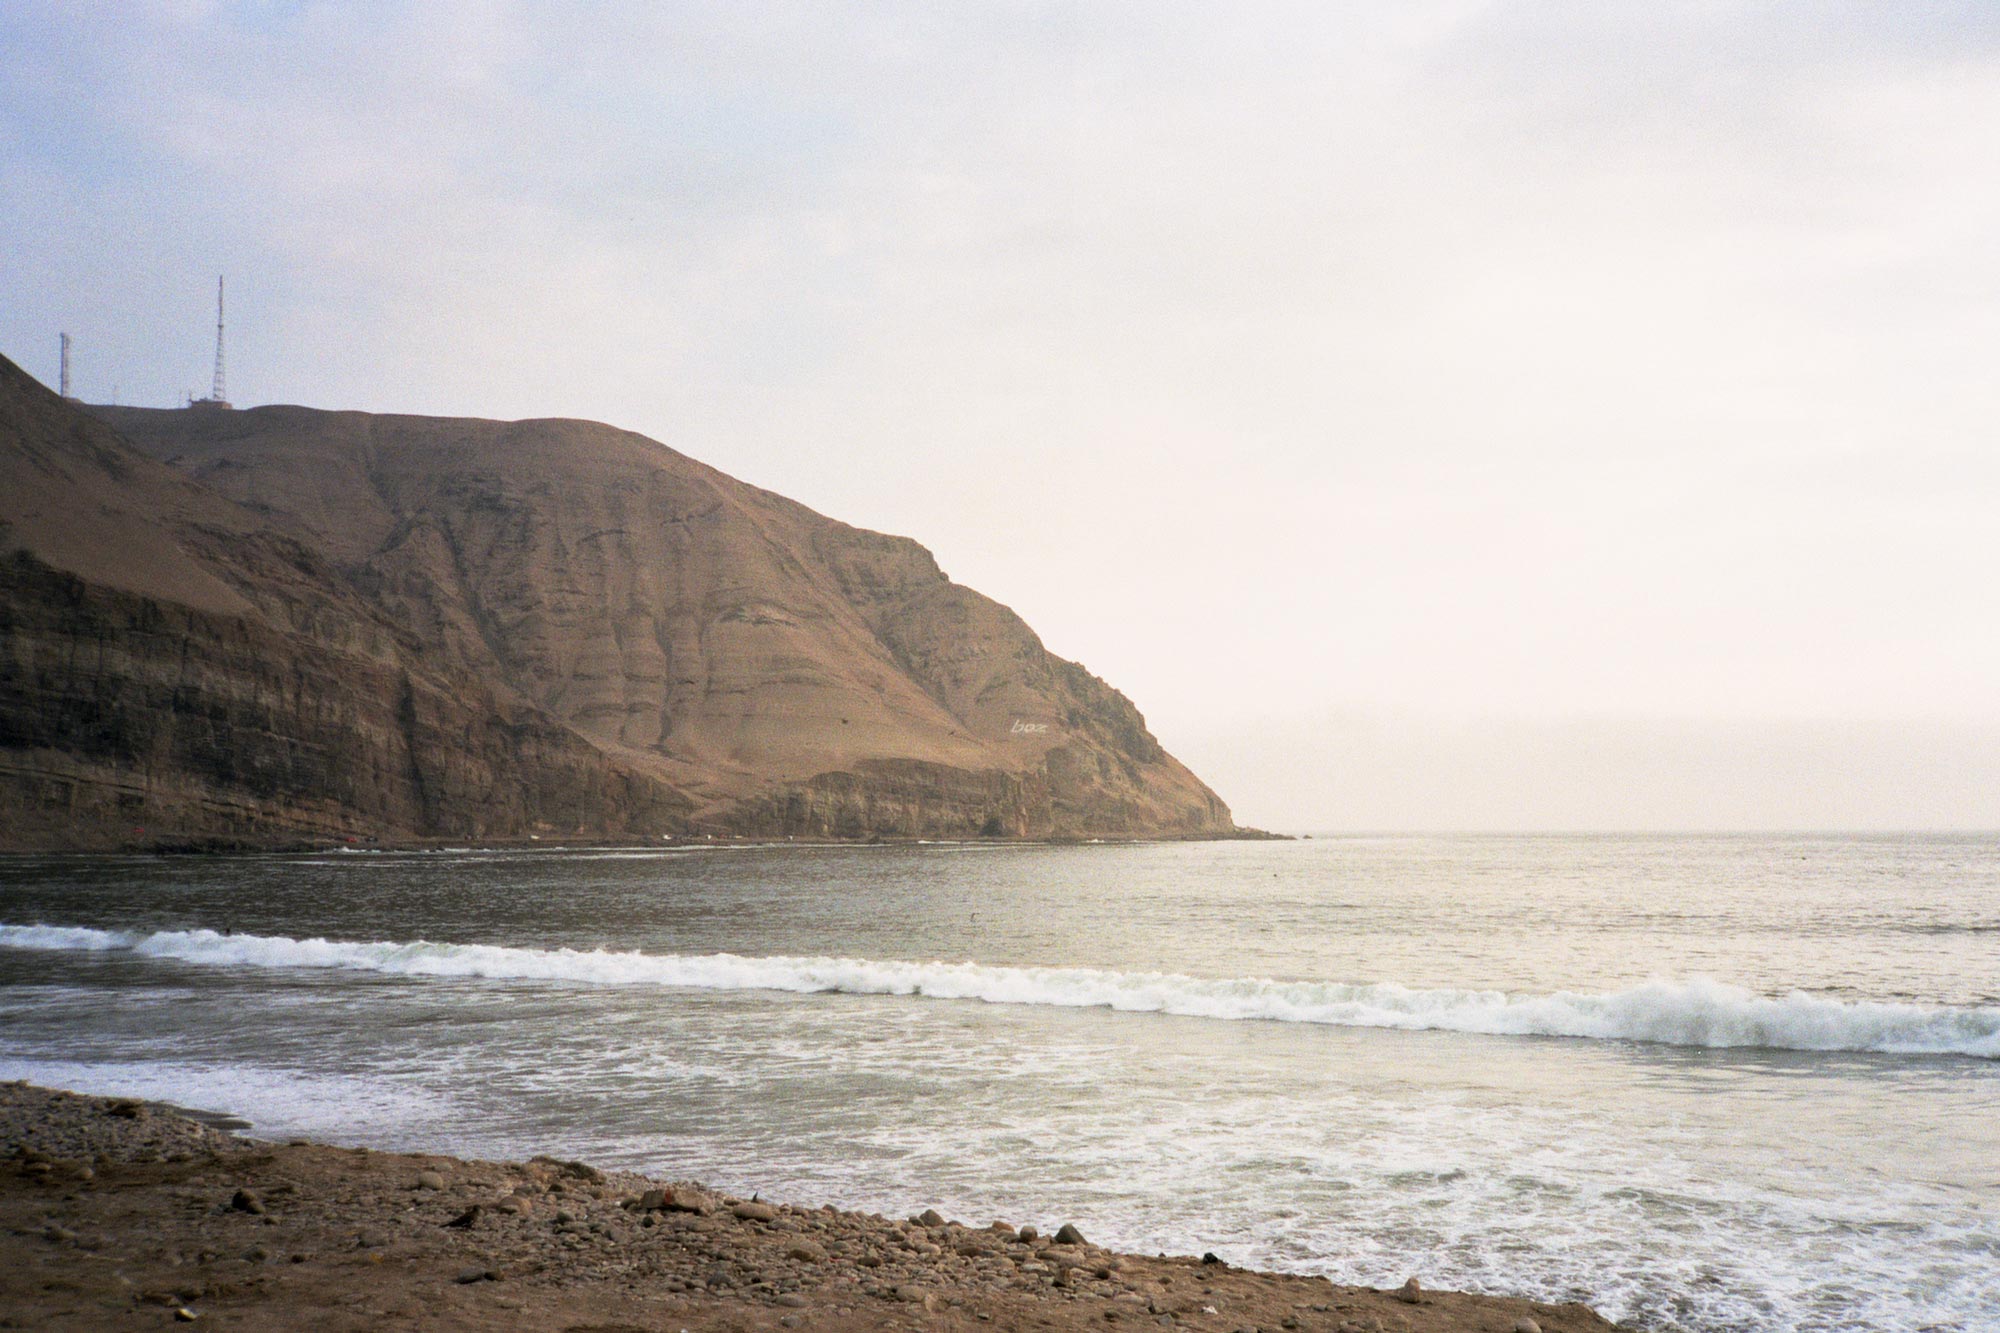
<point>118,1214</point>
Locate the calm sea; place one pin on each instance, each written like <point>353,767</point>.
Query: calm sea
<point>1702,1083</point>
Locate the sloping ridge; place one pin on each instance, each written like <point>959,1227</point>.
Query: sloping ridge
<point>718,658</point>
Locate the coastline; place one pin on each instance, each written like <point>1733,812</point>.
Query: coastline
<point>169,844</point>
<point>112,1208</point>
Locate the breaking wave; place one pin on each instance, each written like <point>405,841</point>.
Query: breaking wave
<point>1699,1012</point>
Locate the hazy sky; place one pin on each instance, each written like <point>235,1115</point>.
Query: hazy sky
<point>1446,414</point>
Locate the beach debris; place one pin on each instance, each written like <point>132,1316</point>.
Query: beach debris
<point>1069,1235</point>
<point>1411,1292</point>
<point>1526,1325</point>
<point>430,1180</point>
<point>246,1201</point>
<point>579,1170</point>
<point>465,1219</point>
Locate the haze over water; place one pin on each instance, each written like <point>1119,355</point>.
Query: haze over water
<point>1700,1083</point>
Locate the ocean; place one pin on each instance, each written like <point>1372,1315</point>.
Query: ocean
<point>1700,1083</point>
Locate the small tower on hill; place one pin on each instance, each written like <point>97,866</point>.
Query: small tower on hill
<point>218,396</point>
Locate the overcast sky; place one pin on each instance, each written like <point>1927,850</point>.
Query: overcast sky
<point>1447,414</point>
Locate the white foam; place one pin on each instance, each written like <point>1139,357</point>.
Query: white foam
<point>273,1101</point>
<point>1697,1012</point>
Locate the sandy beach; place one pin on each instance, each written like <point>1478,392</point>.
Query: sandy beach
<point>118,1214</point>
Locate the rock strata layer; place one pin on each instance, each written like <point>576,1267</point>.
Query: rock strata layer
<point>282,623</point>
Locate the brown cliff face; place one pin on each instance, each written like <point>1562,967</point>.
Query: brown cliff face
<point>517,626</point>
<point>175,668</point>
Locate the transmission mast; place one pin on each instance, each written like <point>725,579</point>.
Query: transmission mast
<point>217,394</point>
<point>63,378</point>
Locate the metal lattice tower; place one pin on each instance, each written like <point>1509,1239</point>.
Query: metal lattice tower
<point>216,393</point>
<point>63,378</point>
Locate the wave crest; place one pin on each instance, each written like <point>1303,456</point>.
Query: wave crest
<point>1700,1012</point>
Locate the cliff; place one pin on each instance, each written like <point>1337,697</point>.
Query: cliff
<point>285,621</point>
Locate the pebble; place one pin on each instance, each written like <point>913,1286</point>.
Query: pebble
<point>430,1180</point>
<point>1526,1325</point>
<point>931,1217</point>
<point>1026,1235</point>
<point>1069,1235</point>
<point>1411,1292</point>
<point>246,1201</point>
<point>183,1315</point>
<point>471,1275</point>
<point>755,1212</point>
<point>653,1201</point>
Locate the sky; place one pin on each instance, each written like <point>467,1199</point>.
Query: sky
<point>1456,414</point>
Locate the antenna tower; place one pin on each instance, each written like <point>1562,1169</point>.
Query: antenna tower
<point>216,393</point>
<point>63,379</point>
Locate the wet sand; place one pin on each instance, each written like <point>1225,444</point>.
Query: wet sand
<point>117,1214</point>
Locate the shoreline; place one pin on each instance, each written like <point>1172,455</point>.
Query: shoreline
<point>112,1208</point>
<point>166,845</point>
